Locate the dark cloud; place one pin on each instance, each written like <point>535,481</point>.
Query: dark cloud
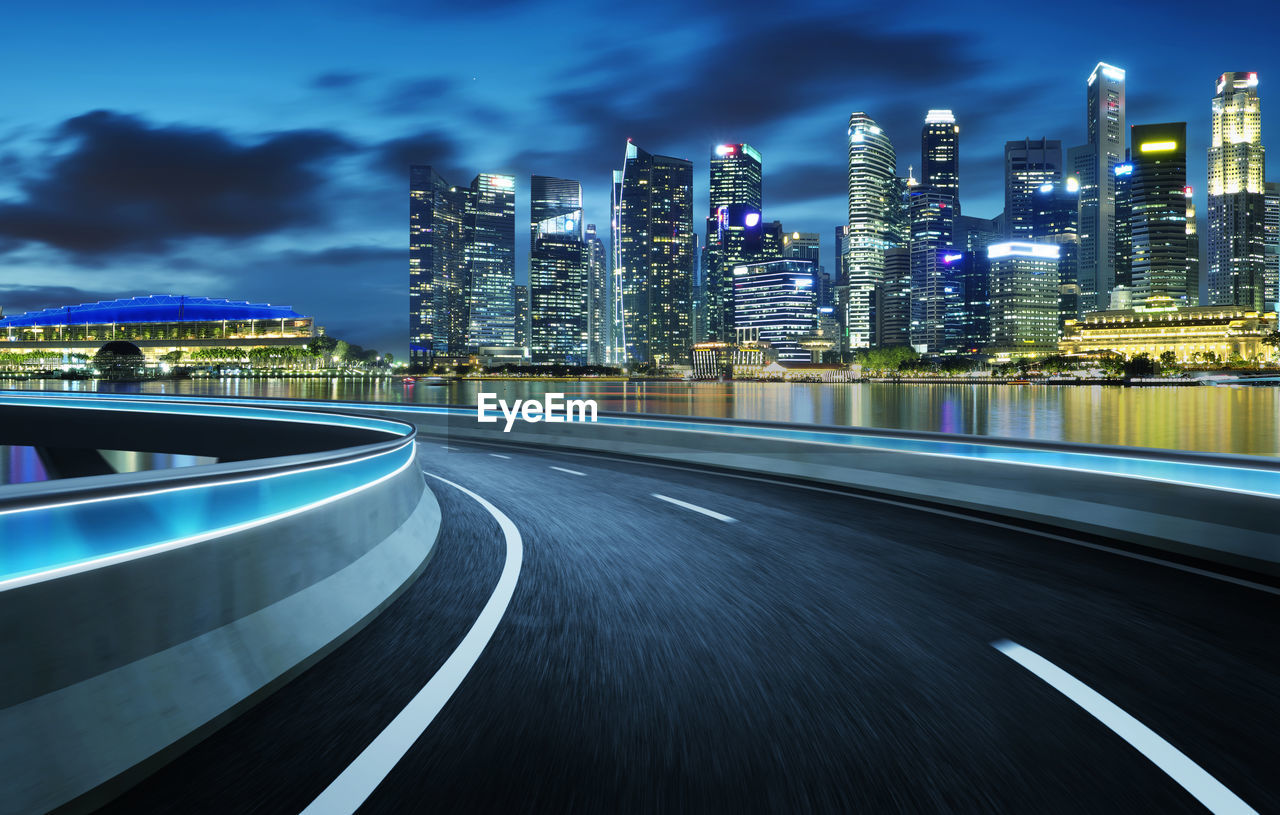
<point>414,97</point>
<point>799,183</point>
<point>433,147</point>
<point>19,299</point>
<point>126,186</point>
<point>760,75</point>
<point>337,80</point>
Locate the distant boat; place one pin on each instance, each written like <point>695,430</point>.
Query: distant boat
<point>408,380</point>
<point>433,380</point>
<point>1019,381</point>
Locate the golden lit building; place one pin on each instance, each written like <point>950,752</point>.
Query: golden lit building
<point>1160,326</point>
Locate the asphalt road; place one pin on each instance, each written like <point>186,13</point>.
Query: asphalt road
<point>818,652</point>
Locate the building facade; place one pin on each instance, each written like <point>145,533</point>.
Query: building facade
<point>940,153</point>
<point>559,290</point>
<point>775,301</point>
<point>1024,297</point>
<point>439,276</point>
<point>653,257</point>
<point>1158,213</point>
<point>734,229</point>
<point>1189,333</point>
<point>935,292</point>
<point>1029,164</point>
<point>1093,163</point>
<point>598,322</point>
<point>1237,195</point>
<point>873,199</point>
<point>491,259</point>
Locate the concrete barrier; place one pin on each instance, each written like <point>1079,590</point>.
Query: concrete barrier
<point>111,669</point>
<point>1234,528</point>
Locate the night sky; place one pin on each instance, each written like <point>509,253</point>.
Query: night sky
<point>259,150</point>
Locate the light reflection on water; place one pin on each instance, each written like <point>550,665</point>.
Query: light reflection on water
<point>1216,419</point>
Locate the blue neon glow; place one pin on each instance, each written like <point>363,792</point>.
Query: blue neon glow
<point>1123,169</point>
<point>751,219</point>
<point>70,533</point>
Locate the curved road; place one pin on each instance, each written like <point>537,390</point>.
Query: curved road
<point>798,650</point>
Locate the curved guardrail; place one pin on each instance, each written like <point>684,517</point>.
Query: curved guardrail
<point>140,611</point>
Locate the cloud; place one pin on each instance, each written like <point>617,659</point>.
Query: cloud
<point>759,75</point>
<point>127,186</point>
<point>18,299</point>
<point>800,183</point>
<point>414,97</point>
<point>337,80</point>
<point>433,147</point>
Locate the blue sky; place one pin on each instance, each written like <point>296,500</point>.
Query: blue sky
<point>259,150</point>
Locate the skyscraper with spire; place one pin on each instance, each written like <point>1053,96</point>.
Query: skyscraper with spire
<point>1237,195</point>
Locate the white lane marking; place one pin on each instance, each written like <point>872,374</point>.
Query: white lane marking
<point>1206,789</point>
<point>447,447</point>
<point>499,455</point>
<point>357,782</point>
<point>708,512</point>
<point>566,470</point>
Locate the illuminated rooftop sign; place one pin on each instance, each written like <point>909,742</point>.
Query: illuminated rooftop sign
<point>1123,169</point>
<point>1048,251</point>
<point>936,117</point>
<point>1158,146</point>
<point>724,149</point>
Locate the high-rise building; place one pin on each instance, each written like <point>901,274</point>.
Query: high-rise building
<point>598,322</point>
<point>895,301</point>
<point>1271,244</point>
<point>1124,230</point>
<point>559,289</point>
<point>935,293</point>
<point>873,204</point>
<point>806,246</point>
<point>972,237</point>
<point>1093,164</point>
<point>734,229</point>
<point>520,293</point>
<point>1024,297</point>
<point>1194,278</point>
<point>940,153</point>
<point>775,301</point>
<point>842,253</point>
<point>1237,195</point>
<point>653,258</point>
<point>439,279</point>
<point>1056,213</point>
<point>491,257</point>
<point>1158,212</point>
<point>1029,164</point>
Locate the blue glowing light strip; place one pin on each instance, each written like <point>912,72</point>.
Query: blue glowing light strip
<point>53,540</point>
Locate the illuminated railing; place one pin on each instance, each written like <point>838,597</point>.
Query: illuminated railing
<point>1245,474</point>
<point>61,527</point>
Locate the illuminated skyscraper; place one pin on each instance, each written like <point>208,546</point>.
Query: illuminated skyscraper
<point>597,299</point>
<point>935,290</point>
<point>1158,213</point>
<point>775,300</point>
<point>558,276</point>
<point>439,279</point>
<point>940,153</point>
<point>1093,164</point>
<point>1237,195</point>
<point>1029,164</point>
<point>895,299</point>
<point>733,229</point>
<point>491,257</point>
<point>1124,230</point>
<point>1024,297</point>
<point>1056,214</point>
<point>873,204</point>
<point>653,258</point>
<point>805,246</point>
<point>1271,239</point>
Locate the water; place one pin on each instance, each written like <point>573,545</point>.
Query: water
<point>1214,419</point>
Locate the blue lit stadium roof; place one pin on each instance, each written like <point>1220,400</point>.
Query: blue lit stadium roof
<point>155,308</point>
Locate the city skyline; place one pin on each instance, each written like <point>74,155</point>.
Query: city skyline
<point>246,116</point>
